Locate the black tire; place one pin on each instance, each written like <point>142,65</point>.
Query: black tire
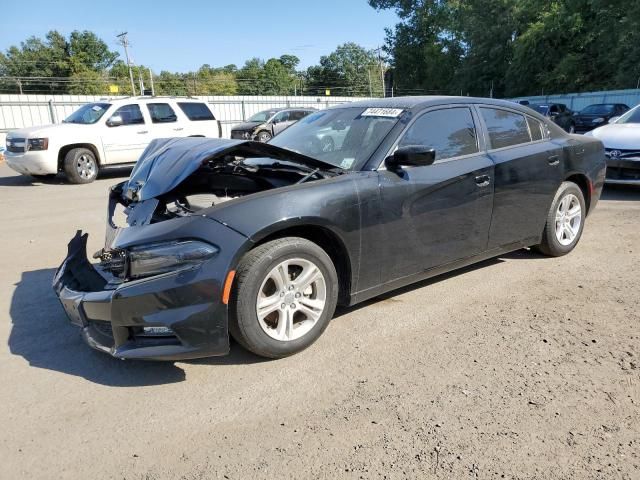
<point>254,268</point>
<point>551,245</point>
<point>73,169</point>
<point>263,136</point>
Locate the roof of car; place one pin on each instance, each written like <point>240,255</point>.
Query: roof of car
<point>425,101</point>
<point>148,98</point>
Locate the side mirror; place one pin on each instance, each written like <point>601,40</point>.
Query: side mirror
<point>114,121</point>
<point>411,156</point>
<point>614,119</point>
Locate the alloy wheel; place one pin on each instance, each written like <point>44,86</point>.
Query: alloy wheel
<point>291,299</point>
<point>568,219</point>
<point>86,166</point>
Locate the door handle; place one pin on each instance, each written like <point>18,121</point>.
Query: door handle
<point>143,132</point>
<point>178,129</point>
<point>483,180</point>
<point>554,160</point>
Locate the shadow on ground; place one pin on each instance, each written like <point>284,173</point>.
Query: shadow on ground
<point>621,193</point>
<point>18,180</point>
<point>42,335</point>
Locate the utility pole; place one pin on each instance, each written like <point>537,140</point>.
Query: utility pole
<point>124,41</point>
<point>153,91</point>
<point>370,89</point>
<point>381,63</point>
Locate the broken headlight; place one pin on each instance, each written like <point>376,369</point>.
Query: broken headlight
<point>148,260</point>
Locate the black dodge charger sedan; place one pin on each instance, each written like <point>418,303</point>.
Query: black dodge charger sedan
<point>216,238</point>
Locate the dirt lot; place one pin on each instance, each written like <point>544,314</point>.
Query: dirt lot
<point>520,367</point>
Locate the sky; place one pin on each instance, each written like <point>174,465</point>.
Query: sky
<point>183,35</point>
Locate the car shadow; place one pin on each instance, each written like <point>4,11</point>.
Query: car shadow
<point>18,180</point>
<point>621,193</point>
<point>522,254</point>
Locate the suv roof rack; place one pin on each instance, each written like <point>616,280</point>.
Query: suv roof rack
<point>144,97</point>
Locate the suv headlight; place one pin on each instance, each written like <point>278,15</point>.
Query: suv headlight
<point>37,144</point>
<point>148,260</point>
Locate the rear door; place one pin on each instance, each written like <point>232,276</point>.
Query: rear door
<point>281,121</point>
<point>528,172</point>
<point>436,214</point>
<point>164,121</point>
<point>125,142</point>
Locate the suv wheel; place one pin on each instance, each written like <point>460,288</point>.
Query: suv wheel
<point>80,165</point>
<point>285,295</point>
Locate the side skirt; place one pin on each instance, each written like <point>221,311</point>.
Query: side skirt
<point>435,271</point>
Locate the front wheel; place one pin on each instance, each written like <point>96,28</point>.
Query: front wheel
<point>285,295</point>
<point>263,136</point>
<point>565,221</point>
<point>80,165</point>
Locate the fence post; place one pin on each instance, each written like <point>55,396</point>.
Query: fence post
<point>244,116</point>
<point>52,112</point>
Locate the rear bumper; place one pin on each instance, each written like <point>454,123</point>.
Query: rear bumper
<point>169,317</point>
<point>32,163</point>
<point>623,171</point>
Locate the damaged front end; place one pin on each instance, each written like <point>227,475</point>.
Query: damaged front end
<point>157,290</point>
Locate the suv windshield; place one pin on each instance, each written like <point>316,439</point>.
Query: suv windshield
<point>344,137</point>
<point>88,114</point>
<point>632,116</point>
<point>262,116</point>
<point>601,109</point>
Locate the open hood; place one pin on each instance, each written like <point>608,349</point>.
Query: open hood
<point>167,162</point>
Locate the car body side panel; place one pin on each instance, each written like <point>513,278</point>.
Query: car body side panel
<point>334,204</point>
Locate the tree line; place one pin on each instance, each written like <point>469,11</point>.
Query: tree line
<point>82,63</point>
<point>513,48</point>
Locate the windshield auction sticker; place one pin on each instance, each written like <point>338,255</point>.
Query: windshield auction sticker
<point>382,112</point>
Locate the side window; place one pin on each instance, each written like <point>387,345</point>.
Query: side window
<point>505,128</point>
<point>196,111</point>
<point>553,110</point>
<point>535,127</point>
<point>130,114</point>
<point>281,117</point>
<point>451,132</point>
<point>161,113</point>
<point>296,115</point>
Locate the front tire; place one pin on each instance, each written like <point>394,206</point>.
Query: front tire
<point>263,136</point>
<point>285,294</point>
<point>565,221</point>
<point>80,165</point>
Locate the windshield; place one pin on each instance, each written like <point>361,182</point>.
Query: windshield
<point>344,137</point>
<point>600,109</point>
<point>262,116</point>
<point>632,116</point>
<point>88,114</point>
<point>543,109</point>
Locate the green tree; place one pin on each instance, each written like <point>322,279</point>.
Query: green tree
<point>349,70</point>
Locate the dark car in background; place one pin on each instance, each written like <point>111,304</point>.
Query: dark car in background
<point>265,125</point>
<point>558,113</point>
<point>261,241</point>
<point>597,115</point>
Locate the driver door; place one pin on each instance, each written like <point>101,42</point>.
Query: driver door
<point>437,214</point>
<point>123,141</point>
<point>280,122</point>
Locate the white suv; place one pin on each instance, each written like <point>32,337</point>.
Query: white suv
<point>106,133</point>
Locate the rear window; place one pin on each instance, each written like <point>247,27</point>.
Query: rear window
<point>161,113</point>
<point>196,111</point>
<point>505,128</point>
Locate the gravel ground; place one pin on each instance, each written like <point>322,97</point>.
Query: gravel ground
<point>521,367</point>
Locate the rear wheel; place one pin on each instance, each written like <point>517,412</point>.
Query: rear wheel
<point>565,221</point>
<point>80,165</point>
<point>285,295</point>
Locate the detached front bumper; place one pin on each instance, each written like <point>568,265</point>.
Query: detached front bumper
<point>169,317</point>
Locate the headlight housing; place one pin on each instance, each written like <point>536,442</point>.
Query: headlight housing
<point>598,120</point>
<point>154,259</point>
<point>37,144</point>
